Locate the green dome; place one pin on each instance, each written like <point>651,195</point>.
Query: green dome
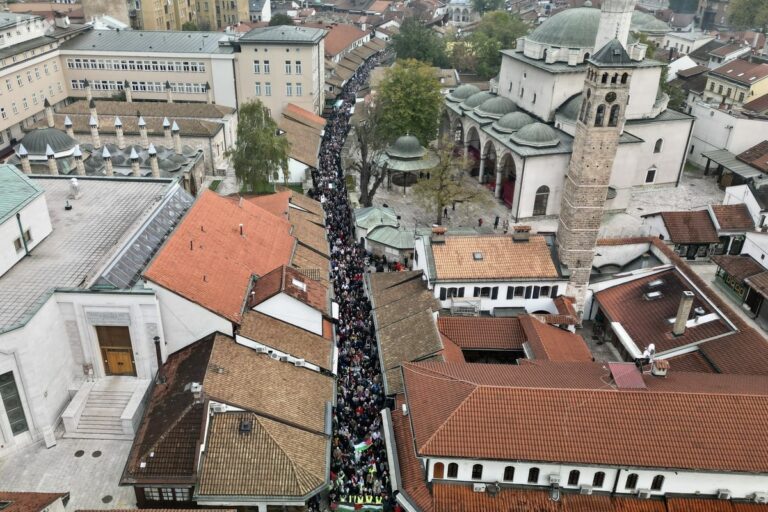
<point>406,146</point>
<point>537,135</point>
<point>644,22</point>
<point>476,100</point>
<point>571,108</point>
<point>577,27</point>
<point>463,92</point>
<point>35,141</point>
<point>496,107</point>
<point>512,122</point>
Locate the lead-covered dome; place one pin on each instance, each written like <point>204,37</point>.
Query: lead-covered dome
<point>496,107</point>
<point>476,100</point>
<point>36,141</point>
<point>463,92</point>
<point>406,146</point>
<point>537,135</point>
<point>571,28</point>
<point>512,122</point>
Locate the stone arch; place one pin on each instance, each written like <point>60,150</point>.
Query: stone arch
<point>599,115</point>
<point>586,57</point>
<point>508,178</point>
<point>458,136</point>
<point>465,15</point>
<point>604,79</point>
<point>615,78</point>
<point>490,157</point>
<point>445,126</point>
<point>624,78</point>
<point>457,15</point>
<point>473,145</point>
<point>613,119</point>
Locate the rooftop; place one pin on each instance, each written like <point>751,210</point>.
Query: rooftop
<point>293,283</point>
<point>148,109</point>
<point>340,37</point>
<point>759,104</point>
<point>742,71</point>
<point>757,155</point>
<point>691,227</point>
<point>723,51</point>
<point>304,140</point>
<point>144,42</point>
<point>18,191</point>
<point>483,333</point>
<point>30,501</point>
<point>734,217</point>
<point>552,343</point>
<point>284,34</point>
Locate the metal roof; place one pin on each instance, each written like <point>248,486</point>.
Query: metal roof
<point>392,237</point>
<point>142,41</point>
<point>284,34</point>
<point>17,191</point>
<point>9,19</point>
<point>728,160</point>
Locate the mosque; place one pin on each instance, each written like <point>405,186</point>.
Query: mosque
<point>520,135</point>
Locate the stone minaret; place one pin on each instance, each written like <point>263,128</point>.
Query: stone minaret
<point>176,137</point>
<point>615,19</point>
<point>600,123</point>
<point>107,156</point>
<point>68,127</point>
<point>119,133</point>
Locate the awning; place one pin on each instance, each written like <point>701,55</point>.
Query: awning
<point>759,283</point>
<point>728,160</point>
<point>740,267</point>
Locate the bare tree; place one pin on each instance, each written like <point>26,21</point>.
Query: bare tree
<point>371,146</point>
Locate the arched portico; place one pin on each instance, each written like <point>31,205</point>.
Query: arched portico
<point>472,150</point>
<point>507,173</point>
<point>488,163</point>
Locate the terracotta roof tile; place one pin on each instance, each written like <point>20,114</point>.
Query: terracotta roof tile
<point>304,141</point>
<point>305,259</point>
<point>735,216</point>
<point>340,37</point>
<point>451,352</point>
<point>742,71</point>
<point>740,267</point>
<point>218,260</point>
<point>745,353</point>
<point>483,333</point>
<point>30,501</point>
<point>756,156</point>
<point>759,105</point>
<point>293,283</point>
<point>276,204</point>
<point>502,258</point>
<point>552,343</point>
<point>690,227</point>
<point>149,109</point>
<point>307,118</point>
<point>411,470</point>
<point>758,282</point>
<point>690,362</point>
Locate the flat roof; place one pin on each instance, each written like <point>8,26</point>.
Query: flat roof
<point>145,41</point>
<point>283,34</point>
<point>108,211</point>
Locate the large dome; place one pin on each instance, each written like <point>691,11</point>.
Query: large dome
<point>577,28</point>
<point>35,142</point>
<point>476,100</point>
<point>463,92</point>
<point>512,122</point>
<point>644,22</point>
<point>406,146</point>
<point>537,135</point>
<point>496,107</point>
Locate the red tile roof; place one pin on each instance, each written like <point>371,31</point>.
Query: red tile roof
<point>483,333</point>
<point>734,217</point>
<point>690,362</point>
<point>740,267</point>
<point>340,37</point>
<point>284,279</point>
<point>217,260</point>
<point>756,156</point>
<point>690,227</point>
<point>742,71</point>
<point>759,104</point>
<point>552,343</point>
<point>30,501</point>
<point>411,471</point>
<point>304,116</point>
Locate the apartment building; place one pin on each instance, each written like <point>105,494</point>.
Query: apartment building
<point>213,14</point>
<point>160,14</point>
<point>281,65</point>
<point>736,83</point>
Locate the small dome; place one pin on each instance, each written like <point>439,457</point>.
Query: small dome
<point>476,100</point>
<point>512,122</point>
<point>496,107</point>
<point>406,146</point>
<point>463,92</point>
<point>537,135</point>
<point>37,140</point>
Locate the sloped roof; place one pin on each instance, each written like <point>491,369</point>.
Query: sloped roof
<point>690,227</point>
<point>304,116</point>
<point>30,501</point>
<point>757,155</point>
<point>148,109</point>
<point>284,279</point>
<point>18,191</point>
<point>734,217</point>
<point>759,104</point>
<point>483,333</point>
<point>612,54</point>
<point>742,71</point>
<point>304,141</point>
<point>340,37</point>
<point>552,343</point>
<point>739,267</point>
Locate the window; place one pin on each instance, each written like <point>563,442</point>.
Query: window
<point>624,78</point>
<point>519,291</point>
<point>257,88</point>
<point>25,103</point>
<point>289,89</point>
<point>534,98</point>
<point>650,176</point>
<point>535,292</point>
<point>719,89</point>
<point>152,493</point>
<point>599,115</point>
<point>533,476</point>
<point>267,89</point>
<point>37,73</point>
<point>266,67</point>
<point>14,108</point>
<point>256,67</point>
<point>9,393</point>
<point>438,470</point>
<point>509,473</point>
<point>19,81</point>
<point>287,67</point>
<point>553,293</point>
<point>540,200</point>
<point>545,291</point>
<point>453,470</point>
<point>741,96</point>
<point>29,76</point>
<point>522,91</point>
<point>573,477</point>
<point>599,479</point>
<point>604,79</point>
<point>477,472</point>
<point>3,113</point>
<point>9,85</point>
<point>658,146</point>
<point>711,86</point>
<point>613,119</point>
<point>299,89</point>
<point>728,93</point>
<point>631,481</point>
<point>657,483</point>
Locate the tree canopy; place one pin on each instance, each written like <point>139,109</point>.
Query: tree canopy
<point>415,41</point>
<point>749,14</point>
<point>189,26</point>
<point>260,153</point>
<point>410,100</point>
<point>480,52</point>
<point>370,146</point>
<point>483,6</point>
<point>280,19</point>
<point>502,26</point>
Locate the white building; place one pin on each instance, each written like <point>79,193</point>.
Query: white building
<point>723,129</point>
<point>686,42</point>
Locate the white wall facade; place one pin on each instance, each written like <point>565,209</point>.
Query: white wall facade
<point>716,129</point>
<point>531,305</point>
<point>541,171</point>
<point>289,310</point>
<point>35,218</point>
<point>740,194</point>
<point>756,245</point>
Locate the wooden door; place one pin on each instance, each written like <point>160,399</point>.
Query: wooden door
<point>119,362</point>
<point>116,350</point>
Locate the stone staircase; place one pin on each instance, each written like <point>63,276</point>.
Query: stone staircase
<point>102,412</point>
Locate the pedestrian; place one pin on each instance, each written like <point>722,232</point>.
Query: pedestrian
<point>445,212</point>
<point>496,223</point>
<point>480,222</point>
<point>453,206</point>
<point>505,225</point>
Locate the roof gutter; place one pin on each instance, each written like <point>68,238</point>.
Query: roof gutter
<point>21,232</point>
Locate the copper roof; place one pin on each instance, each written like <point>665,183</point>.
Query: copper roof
<point>735,217</point>
<point>483,333</point>
<point>757,155</point>
<point>492,257</point>
<point>690,227</point>
<point>552,343</point>
<point>740,267</point>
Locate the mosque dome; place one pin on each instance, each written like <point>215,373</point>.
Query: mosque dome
<point>406,146</point>
<point>644,22</point>
<point>36,141</point>
<point>512,122</point>
<point>476,100</point>
<point>496,107</point>
<point>462,92</point>
<point>538,135</point>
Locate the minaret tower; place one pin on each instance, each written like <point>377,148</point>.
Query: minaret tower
<point>600,123</point>
<point>615,20</point>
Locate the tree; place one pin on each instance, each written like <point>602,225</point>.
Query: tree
<point>415,41</point>
<point>643,38</point>
<point>676,94</point>
<point>749,14</point>
<point>480,54</point>
<point>280,19</point>
<point>260,153</point>
<point>370,146</point>
<point>189,26</point>
<point>483,6</point>
<point>487,52</point>
<point>462,58</point>
<point>447,184</point>
<point>410,100</point>
<point>503,27</point>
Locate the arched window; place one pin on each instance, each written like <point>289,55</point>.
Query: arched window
<point>624,78</point>
<point>599,115</point>
<point>586,56</point>
<point>573,477</point>
<point>453,470</point>
<point>658,482</point>
<point>533,476</point>
<point>438,470</point>
<point>540,201</point>
<point>586,113</point>
<point>658,146</point>
<point>605,78</point>
<point>631,481</point>
<point>599,479</point>
<point>509,473</point>
<point>477,472</point>
<point>544,54</point>
<point>522,91</point>
<point>613,120</point>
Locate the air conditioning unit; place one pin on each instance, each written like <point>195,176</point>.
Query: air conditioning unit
<point>585,489</point>
<point>760,497</point>
<point>644,494</point>
<point>298,362</point>
<point>478,487</point>
<point>723,494</point>
<point>554,479</point>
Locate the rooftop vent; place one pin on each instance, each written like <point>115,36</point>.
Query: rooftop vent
<point>246,426</point>
<point>659,367</point>
<point>652,295</point>
<point>655,284</point>
<point>477,256</point>
<point>521,233</point>
<point>699,311</point>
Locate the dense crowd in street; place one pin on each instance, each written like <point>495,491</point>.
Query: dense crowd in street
<point>359,470</point>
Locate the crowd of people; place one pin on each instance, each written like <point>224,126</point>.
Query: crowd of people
<point>359,470</point>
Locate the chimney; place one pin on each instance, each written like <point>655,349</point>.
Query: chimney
<point>521,233</point>
<point>209,92</point>
<point>135,163</point>
<point>438,235</point>
<point>683,312</point>
<point>88,92</point>
<point>176,138</point>
<point>167,132</point>
<point>49,113</point>
<point>107,162</point>
<point>128,91</point>
<point>68,127</point>
<point>24,157</point>
<point>79,161</point>
<point>143,133</point>
<point>169,91</point>
<point>159,354</point>
<point>92,109</point>
<point>61,20</point>
<point>119,133</point>
<point>94,132</point>
<point>153,161</point>
<point>659,367</point>
<point>49,154</point>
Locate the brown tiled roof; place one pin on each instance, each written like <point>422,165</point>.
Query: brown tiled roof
<point>502,258</point>
<point>411,470</point>
<point>725,50</point>
<point>307,203</point>
<point>734,217</point>
<point>740,267</point>
<point>218,260</point>
<point>160,510</point>
<point>690,227</point>
<point>759,104</point>
<point>281,280</point>
<point>287,338</point>
<point>745,352</point>
<point>304,116</point>
<point>483,333</point>
<point>756,156</point>
<point>304,141</point>
<point>692,71</point>
<point>552,343</point>
<point>148,109</point>
<point>340,37</point>
<point>306,259</point>
<point>310,234</point>
<point>30,501</point>
<point>742,71</point>
<point>690,362</point>
<point>187,127</point>
<point>274,459</point>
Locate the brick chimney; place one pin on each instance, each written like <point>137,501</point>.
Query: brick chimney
<point>49,113</point>
<point>135,169</point>
<point>683,312</point>
<point>68,127</point>
<point>143,133</point>
<point>167,132</point>
<point>176,138</point>
<point>119,133</point>
<point>128,91</point>
<point>79,161</point>
<point>153,161</point>
<point>49,154</point>
<point>24,157</point>
<point>94,132</point>
<point>107,162</point>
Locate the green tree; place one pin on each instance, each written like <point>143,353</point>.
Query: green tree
<point>415,41</point>
<point>643,38</point>
<point>502,26</point>
<point>676,94</point>
<point>448,184</point>
<point>370,146</point>
<point>487,55</point>
<point>280,19</point>
<point>189,26</point>
<point>261,152</point>
<point>498,30</point>
<point>749,14</point>
<point>410,100</point>
<point>462,57</point>
<point>483,6</point>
